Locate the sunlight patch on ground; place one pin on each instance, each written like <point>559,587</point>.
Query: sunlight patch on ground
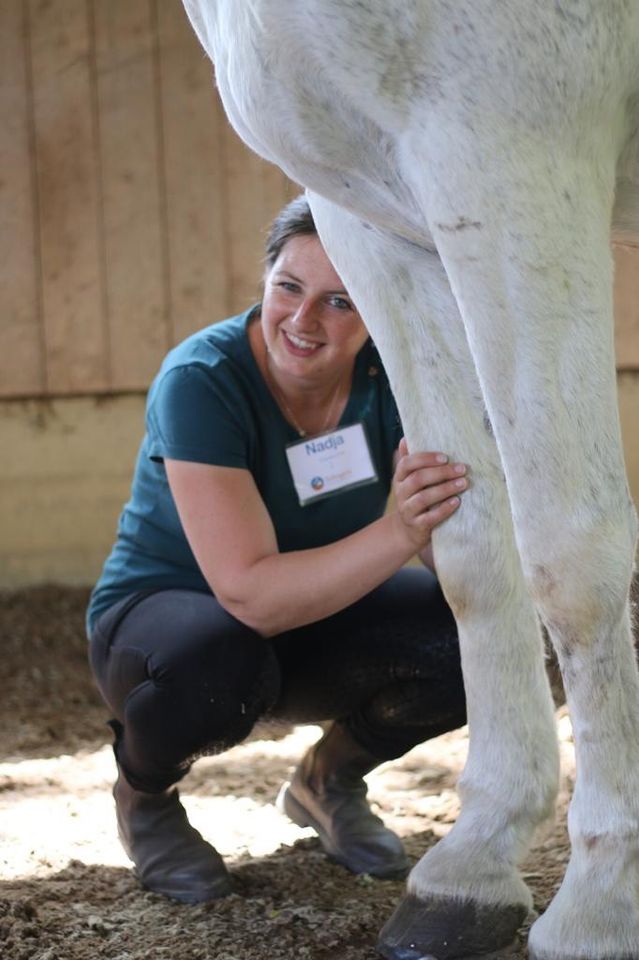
<point>57,809</point>
<point>60,809</point>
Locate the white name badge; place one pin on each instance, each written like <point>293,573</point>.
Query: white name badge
<point>331,463</point>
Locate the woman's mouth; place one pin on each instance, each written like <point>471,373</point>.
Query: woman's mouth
<point>298,344</point>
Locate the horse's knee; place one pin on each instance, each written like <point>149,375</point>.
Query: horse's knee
<point>479,568</point>
<point>580,578</point>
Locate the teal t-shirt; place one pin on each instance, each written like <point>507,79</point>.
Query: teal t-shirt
<point>209,404</point>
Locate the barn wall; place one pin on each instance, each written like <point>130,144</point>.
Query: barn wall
<point>130,216</point>
<point>62,489</point>
<point>131,213</point>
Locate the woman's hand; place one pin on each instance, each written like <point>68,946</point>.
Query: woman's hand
<point>427,491</point>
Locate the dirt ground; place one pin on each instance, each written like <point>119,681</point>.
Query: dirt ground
<point>66,888</point>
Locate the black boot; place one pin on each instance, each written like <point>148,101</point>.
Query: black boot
<point>170,856</point>
<point>327,793</point>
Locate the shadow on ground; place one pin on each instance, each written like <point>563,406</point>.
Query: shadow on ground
<point>289,905</point>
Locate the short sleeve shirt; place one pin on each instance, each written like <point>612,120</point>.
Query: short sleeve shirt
<point>209,404</point>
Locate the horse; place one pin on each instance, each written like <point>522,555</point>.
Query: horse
<point>466,162</point>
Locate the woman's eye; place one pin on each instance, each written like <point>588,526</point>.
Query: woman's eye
<point>288,286</point>
<point>340,303</point>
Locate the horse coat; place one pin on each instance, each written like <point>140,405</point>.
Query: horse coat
<point>466,161</point>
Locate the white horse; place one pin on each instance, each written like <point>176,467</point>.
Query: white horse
<point>465,160</point>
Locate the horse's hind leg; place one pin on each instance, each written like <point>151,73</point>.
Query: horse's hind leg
<point>526,249</point>
<point>466,897</point>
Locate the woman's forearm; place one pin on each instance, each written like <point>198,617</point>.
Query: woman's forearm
<point>287,590</point>
<point>234,542</point>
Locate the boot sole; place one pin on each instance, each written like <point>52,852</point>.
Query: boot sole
<point>215,892</point>
<point>287,804</point>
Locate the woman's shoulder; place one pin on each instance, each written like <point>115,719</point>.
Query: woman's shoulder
<point>221,343</point>
<point>200,406</point>
<point>211,370</point>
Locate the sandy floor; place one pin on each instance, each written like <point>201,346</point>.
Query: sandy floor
<point>66,888</point>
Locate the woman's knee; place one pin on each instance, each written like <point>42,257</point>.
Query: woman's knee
<point>403,715</point>
<point>222,684</point>
<point>196,708</point>
<point>181,650</point>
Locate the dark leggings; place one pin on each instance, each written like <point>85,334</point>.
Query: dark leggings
<point>184,678</point>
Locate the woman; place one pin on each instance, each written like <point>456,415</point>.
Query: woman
<point>256,574</point>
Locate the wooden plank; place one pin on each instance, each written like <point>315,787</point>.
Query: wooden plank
<point>256,191</point>
<point>136,300</point>
<point>627,307</point>
<point>68,191</point>
<point>21,357</point>
<point>196,202</point>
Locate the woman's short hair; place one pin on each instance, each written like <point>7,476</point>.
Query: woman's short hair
<point>294,220</point>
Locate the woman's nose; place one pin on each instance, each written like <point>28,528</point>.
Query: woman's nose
<point>305,316</point>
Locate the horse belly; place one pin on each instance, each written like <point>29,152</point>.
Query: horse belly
<point>321,140</point>
<point>341,114</point>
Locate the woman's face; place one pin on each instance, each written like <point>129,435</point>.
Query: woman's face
<point>309,323</point>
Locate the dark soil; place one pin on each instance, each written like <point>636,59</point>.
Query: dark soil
<point>66,889</point>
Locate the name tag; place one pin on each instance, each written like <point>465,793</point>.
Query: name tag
<point>331,463</point>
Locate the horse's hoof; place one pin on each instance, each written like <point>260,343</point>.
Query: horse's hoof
<point>447,929</point>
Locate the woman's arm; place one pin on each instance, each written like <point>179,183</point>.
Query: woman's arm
<point>230,532</point>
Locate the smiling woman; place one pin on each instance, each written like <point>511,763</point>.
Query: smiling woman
<point>309,336</point>
<point>257,574</point>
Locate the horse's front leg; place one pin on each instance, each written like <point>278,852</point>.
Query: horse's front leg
<point>526,248</point>
<point>466,897</point>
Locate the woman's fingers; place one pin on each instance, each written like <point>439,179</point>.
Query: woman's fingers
<point>426,498</point>
<point>412,462</point>
<point>428,477</point>
<point>428,519</point>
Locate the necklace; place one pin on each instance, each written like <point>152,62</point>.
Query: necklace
<point>281,399</point>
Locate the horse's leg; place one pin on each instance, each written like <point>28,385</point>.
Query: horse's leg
<point>466,897</point>
<point>525,245</point>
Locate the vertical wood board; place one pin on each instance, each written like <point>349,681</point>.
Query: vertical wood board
<point>68,192</point>
<point>256,191</point>
<point>194,176</point>
<point>135,299</point>
<point>22,354</point>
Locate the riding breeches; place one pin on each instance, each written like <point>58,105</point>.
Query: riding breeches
<point>183,678</point>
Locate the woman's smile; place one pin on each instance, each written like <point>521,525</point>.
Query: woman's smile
<point>299,345</point>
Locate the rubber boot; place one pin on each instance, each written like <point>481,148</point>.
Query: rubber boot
<point>170,856</point>
<point>328,793</point>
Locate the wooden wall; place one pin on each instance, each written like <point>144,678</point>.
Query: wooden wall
<point>130,214</point>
